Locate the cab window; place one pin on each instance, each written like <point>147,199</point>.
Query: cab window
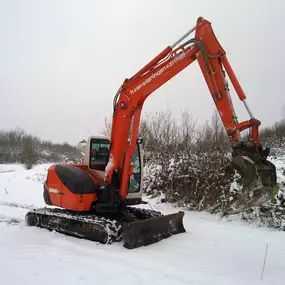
<point>99,153</point>
<point>135,179</point>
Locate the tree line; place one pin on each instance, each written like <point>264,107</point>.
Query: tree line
<point>17,146</point>
<point>162,132</point>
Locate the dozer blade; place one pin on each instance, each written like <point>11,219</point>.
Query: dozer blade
<point>152,230</point>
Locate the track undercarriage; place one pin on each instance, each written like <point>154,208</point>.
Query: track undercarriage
<point>134,226</point>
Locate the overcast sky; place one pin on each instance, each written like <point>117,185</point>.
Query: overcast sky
<point>62,61</point>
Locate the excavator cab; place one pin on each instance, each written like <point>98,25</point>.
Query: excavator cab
<point>97,157</point>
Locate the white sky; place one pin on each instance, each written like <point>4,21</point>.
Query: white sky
<point>62,61</point>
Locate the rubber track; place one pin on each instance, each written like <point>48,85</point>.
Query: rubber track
<point>45,218</point>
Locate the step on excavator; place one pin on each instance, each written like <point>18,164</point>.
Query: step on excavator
<point>98,199</point>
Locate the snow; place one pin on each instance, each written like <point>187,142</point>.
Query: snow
<point>22,186</point>
<point>279,162</point>
<point>110,164</point>
<point>212,251</point>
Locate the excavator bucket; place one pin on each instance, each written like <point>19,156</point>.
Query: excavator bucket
<point>253,173</point>
<point>259,180</point>
<point>152,230</point>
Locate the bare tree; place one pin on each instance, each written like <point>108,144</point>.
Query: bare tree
<point>187,129</point>
<point>160,131</point>
<point>220,137</point>
<point>212,136</point>
<point>169,131</point>
<point>106,131</point>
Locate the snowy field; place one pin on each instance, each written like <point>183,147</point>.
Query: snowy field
<point>211,252</point>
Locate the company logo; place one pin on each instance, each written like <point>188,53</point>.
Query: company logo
<point>159,72</point>
<point>52,190</point>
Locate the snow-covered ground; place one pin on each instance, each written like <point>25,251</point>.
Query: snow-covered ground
<point>279,162</point>
<point>211,252</point>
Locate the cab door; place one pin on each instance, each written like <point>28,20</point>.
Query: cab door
<point>136,179</point>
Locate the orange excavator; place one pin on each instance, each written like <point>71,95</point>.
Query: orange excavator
<point>97,200</point>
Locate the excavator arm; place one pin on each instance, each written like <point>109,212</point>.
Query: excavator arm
<point>129,100</point>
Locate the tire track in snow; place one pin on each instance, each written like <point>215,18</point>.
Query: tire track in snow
<point>18,205</point>
<point>9,220</point>
<point>6,171</point>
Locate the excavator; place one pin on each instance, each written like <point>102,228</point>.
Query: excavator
<point>99,199</point>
